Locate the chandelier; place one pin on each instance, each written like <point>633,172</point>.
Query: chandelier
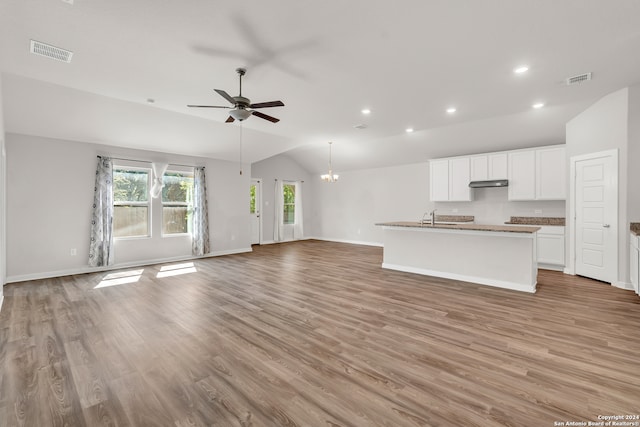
<point>330,177</point>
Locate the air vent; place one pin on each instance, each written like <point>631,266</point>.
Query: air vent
<point>43,49</point>
<point>361,126</point>
<point>578,79</point>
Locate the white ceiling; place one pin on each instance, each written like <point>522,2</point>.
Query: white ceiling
<point>326,60</point>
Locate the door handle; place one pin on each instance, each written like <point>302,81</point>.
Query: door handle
<point>606,225</point>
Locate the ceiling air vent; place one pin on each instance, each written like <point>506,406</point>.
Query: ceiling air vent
<point>578,79</point>
<point>43,49</point>
<point>360,126</point>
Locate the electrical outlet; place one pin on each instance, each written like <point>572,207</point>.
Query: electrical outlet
<point>358,231</point>
<point>537,211</point>
<point>73,252</point>
<point>455,210</point>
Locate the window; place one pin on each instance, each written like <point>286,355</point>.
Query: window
<point>177,202</point>
<point>252,199</point>
<point>289,196</point>
<point>131,202</point>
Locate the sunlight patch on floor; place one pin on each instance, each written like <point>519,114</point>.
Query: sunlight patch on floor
<point>120,278</point>
<point>176,270</point>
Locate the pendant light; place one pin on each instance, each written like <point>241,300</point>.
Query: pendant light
<point>330,177</point>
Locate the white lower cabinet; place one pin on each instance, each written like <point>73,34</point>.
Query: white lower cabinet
<point>550,245</point>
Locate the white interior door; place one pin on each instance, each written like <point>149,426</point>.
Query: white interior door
<point>596,216</point>
<point>255,196</point>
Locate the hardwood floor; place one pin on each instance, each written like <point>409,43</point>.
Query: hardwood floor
<point>313,334</point>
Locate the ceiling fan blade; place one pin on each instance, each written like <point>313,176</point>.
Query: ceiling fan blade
<point>206,106</point>
<point>267,104</point>
<point>264,116</point>
<point>229,120</point>
<point>226,96</point>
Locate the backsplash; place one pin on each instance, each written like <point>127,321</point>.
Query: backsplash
<point>490,206</point>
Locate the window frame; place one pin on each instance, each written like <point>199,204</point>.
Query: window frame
<point>186,204</point>
<point>126,168</point>
<point>285,204</point>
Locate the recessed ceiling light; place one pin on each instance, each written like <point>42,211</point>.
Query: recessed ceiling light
<point>538,105</point>
<point>366,111</point>
<point>409,130</point>
<point>451,110</point>
<point>521,69</point>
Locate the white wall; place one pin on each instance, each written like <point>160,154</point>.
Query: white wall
<point>49,196</point>
<point>605,126</point>
<point>633,158</point>
<point>3,193</point>
<point>349,209</point>
<point>282,167</point>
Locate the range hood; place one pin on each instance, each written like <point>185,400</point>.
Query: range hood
<point>489,184</point>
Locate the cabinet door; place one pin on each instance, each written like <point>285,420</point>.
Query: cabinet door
<point>439,180</point>
<point>479,168</point>
<point>459,174</point>
<point>522,175</point>
<point>497,166</point>
<point>551,176</point>
<point>550,249</point>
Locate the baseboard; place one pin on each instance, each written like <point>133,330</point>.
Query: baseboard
<point>87,269</point>
<point>351,242</point>
<point>463,278</point>
<point>569,271</point>
<point>273,242</point>
<point>551,267</point>
<point>623,285</point>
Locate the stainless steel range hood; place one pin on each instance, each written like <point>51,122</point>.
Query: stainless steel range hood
<point>489,184</point>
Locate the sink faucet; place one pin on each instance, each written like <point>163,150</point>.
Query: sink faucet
<point>431,215</point>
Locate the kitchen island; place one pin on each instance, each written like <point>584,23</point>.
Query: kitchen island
<point>495,255</point>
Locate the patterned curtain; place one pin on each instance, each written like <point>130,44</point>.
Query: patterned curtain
<point>101,244</point>
<point>298,228</point>
<point>278,223</point>
<point>200,229</point>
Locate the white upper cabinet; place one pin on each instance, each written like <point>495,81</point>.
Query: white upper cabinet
<point>551,175</point>
<point>459,178</point>
<point>479,168</point>
<point>535,174</point>
<point>489,166</point>
<point>449,180</point>
<point>439,180</point>
<point>522,175</point>
<point>538,174</point>
<point>498,166</point>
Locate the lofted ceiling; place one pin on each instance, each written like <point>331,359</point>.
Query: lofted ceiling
<point>407,61</point>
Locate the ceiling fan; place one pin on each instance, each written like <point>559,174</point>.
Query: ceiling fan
<point>242,107</point>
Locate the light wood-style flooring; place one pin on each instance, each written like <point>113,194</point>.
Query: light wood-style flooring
<point>313,333</point>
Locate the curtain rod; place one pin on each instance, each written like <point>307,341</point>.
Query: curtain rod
<point>292,180</point>
<point>147,161</point>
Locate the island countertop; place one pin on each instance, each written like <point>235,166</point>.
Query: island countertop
<point>474,227</point>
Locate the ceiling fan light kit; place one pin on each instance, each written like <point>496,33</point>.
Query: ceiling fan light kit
<point>242,107</point>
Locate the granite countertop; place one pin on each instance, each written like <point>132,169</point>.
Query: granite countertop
<point>455,218</point>
<point>474,227</point>
<point>536,220</point>
<point>634,227</point>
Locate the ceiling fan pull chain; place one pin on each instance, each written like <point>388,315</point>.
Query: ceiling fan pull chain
<point>240,147</point>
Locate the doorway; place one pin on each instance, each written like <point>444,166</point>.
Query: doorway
<point>255,197</point>
<point>594,196</point>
